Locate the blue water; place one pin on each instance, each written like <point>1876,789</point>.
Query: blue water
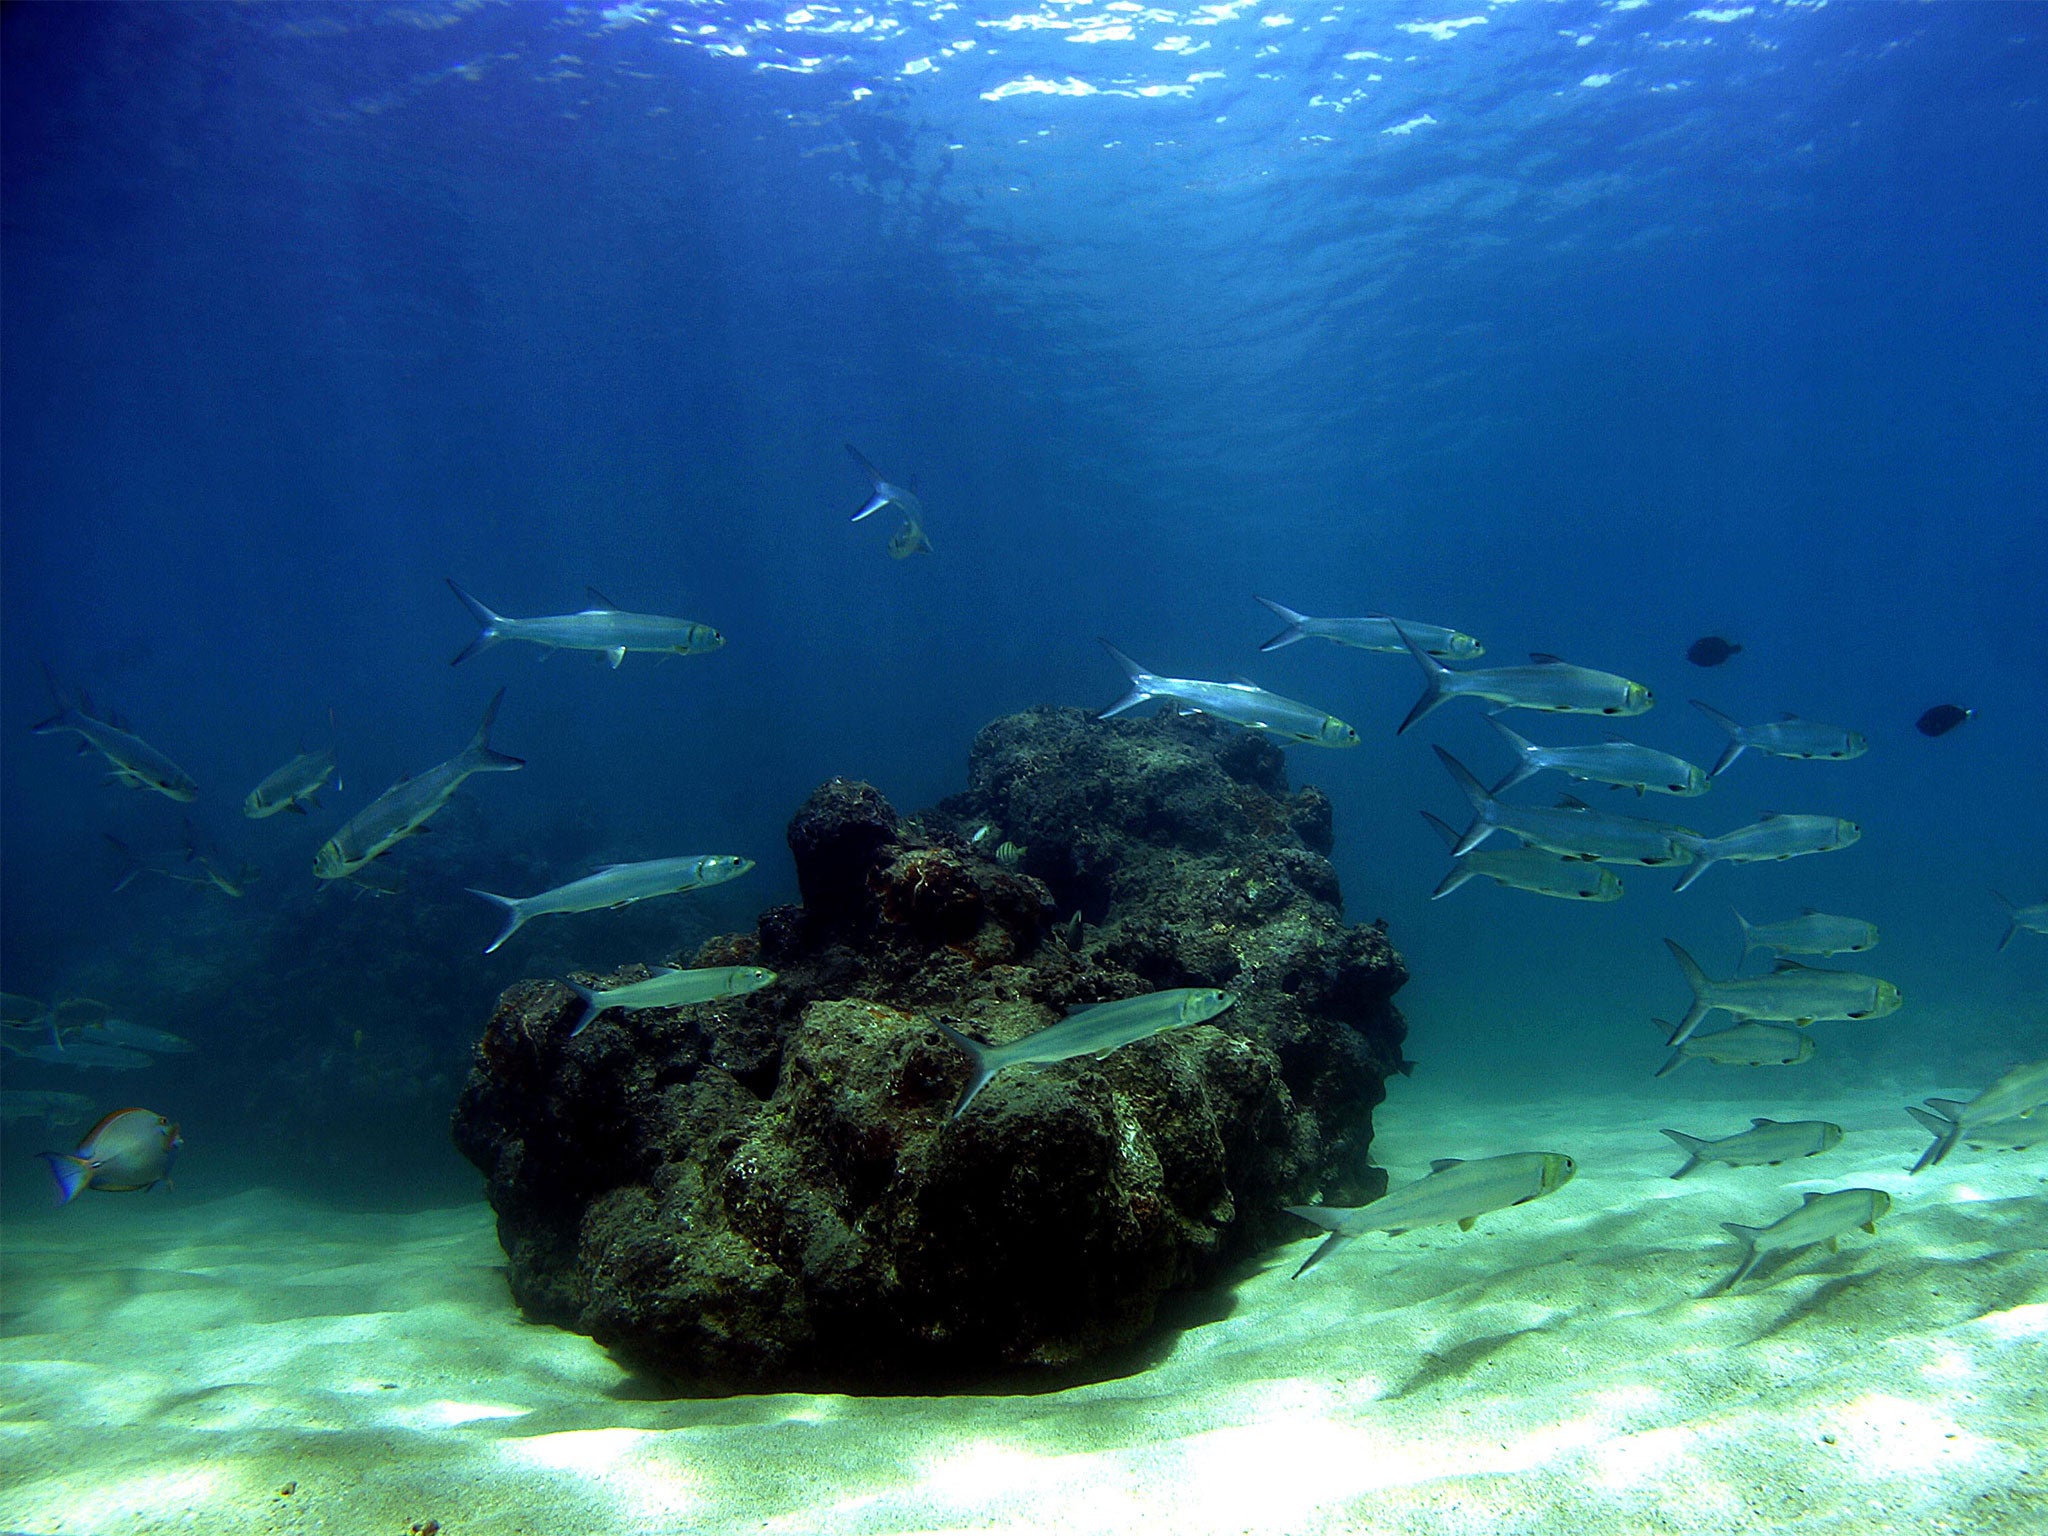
<point>1588,329</point>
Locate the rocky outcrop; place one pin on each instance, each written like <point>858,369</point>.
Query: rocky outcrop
<point>769,1190</point>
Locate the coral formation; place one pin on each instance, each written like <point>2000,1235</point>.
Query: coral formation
<point>767,1190</point>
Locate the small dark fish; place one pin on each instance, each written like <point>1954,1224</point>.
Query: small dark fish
<point>1710,651</point>
<point>130,1149</point>
<point>1943,718</point>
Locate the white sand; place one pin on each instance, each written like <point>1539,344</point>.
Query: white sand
<point>170,1363</point>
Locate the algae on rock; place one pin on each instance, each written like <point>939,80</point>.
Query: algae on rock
<point>767,1191</point>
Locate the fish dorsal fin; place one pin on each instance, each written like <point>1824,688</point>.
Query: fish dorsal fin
<point>1761,1120</point>
<point>597,597</point>
<point>1809,911</point>
<point>1786,714</point>
<point>1465,1223</point>
<point>1810,1196</point>
<point>1615,738</point>
<point>1445,1162</point>
<point>1768,815</point>
<point>1242,681</point>
<point>1784,965</point>
<point>1572,803</point>
<point>1545,659</point>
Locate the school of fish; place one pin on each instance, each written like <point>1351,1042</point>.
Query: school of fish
<point>1560,850</point>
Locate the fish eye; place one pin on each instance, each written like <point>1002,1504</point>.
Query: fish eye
<point>1863,1014</point>
<point>1610,710</point>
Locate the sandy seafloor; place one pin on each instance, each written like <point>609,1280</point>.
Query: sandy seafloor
<point>173,1362</point>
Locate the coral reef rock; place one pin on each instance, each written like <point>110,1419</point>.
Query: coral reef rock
<point>768,1191</point>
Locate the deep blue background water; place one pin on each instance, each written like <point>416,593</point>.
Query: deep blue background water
<point>1586,329</point>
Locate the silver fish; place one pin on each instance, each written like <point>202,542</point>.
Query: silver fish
<point>1614,761</point>
<point>1374,633</point>
<point>292,787</point>
<point>136,763</point>
<point>1741,1045</point>
<point>605,628</point>
<point>1795,993</point>
<point>1786,736</point>
<point>130,1149</point>
<point>23,1039</point>
<point>2034,919</point>
<point>1551,683</point>
<point>885,495</point>
<point>17,1009</point>
<point>130,1035</point>
<point>1571,827</point>
<point>1239,703</point>
<point>45,1104</point>
<point>1093,1031</point>
<point>1810,933</point>
<point>1453,1191</point>
<point>669,988</point>
<point>617,885</point>
<point>191,864</point>
<point>2020,1133</point>
<point>2019,1094</point>
<point>1819,1219</point>
<point>87,1056</point>
<point>1766,1143</point>
<point>1526,869</point>
<point>403,809</point>
<point>1771,836</point>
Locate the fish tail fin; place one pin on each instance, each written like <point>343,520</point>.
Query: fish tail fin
<point>1748,934</point>
<point>130,865</point>
<point>1459,872</point>
<point>1525,752</point>
<point>590,1009</point>
<point>1482,804</point>
<point>1458,875</point>
<point>1287,616</point>
<point>1946,1132</point>
<point>1735,742</point>
<point>880,499</point>
<point>1690,1146</point>
<point>2012,921</point>
<point>1433,675</point>
<point>70,1173</point>
<point>1326,1219</point>
<point>1748,1235</point>
<point>977,1054</point>
<point>1697,980</point>
<point>1671,1063</point>
<point>488,759</point>
<point>1444,829</point>
<point>67,701</point>
<point>1141,683</point>
<point>487,624</point>
<point>515,915</point>
<point>1702,861</point>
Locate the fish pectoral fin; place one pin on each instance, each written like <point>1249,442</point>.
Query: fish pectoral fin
<point>296,809</point>
<point>617,654</point>
<point>1834,1245</point>
<point>1445,1162</point>
<point>1465,1223</point>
